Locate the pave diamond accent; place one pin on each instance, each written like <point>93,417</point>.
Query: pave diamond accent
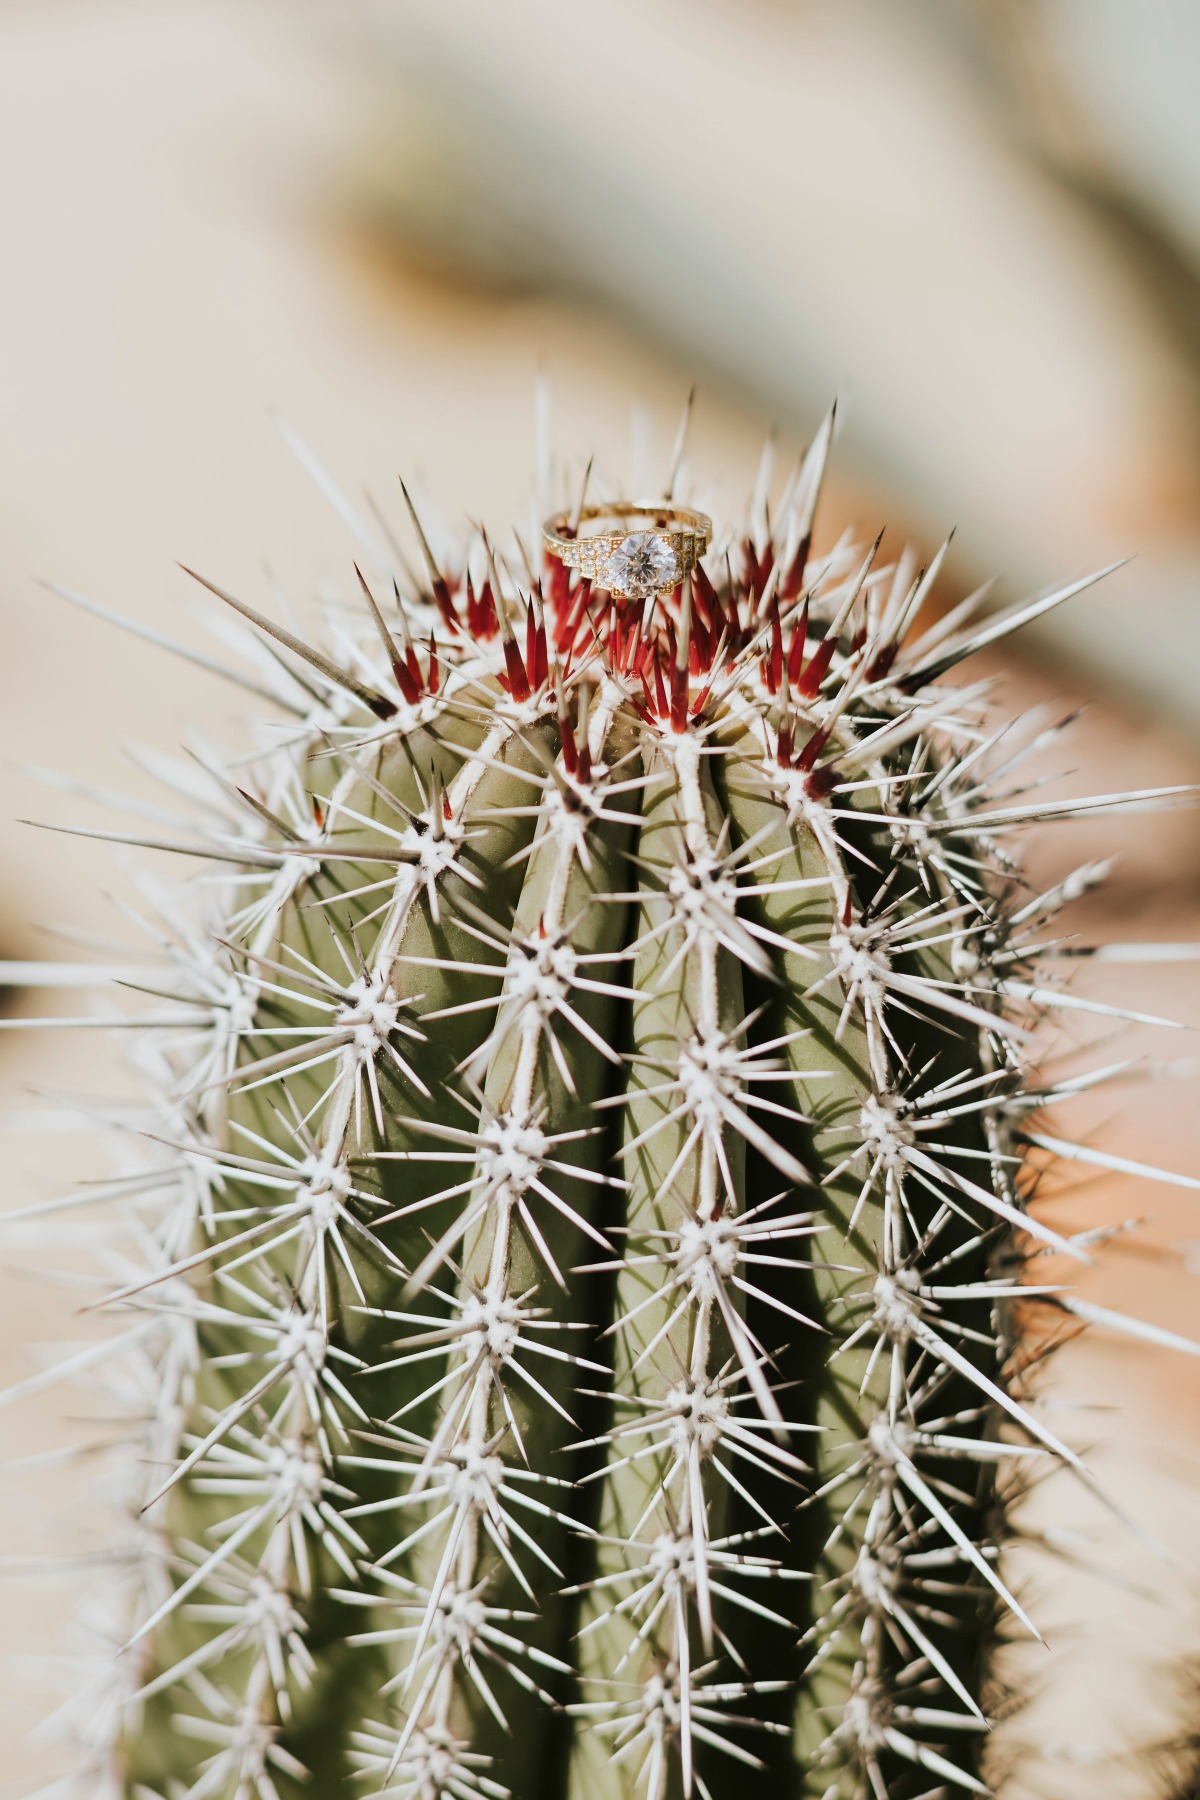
<point>644,563</point>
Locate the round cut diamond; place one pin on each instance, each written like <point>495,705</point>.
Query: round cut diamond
<point>642,564</point>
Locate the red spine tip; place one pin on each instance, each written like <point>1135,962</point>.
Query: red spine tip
<point>404,681</point>
<point>765,566</point>
<point>813,748</point>
<point>531,646</point>
<point>795,662</point>
<point>793,581</point>
<point>443,602</point>
<point>558,590</point>
<point>518,681</point>
<point>570,755</point>
<point>679,699</point>
<point>818,667</point>
<point>821,783</point>
<point>660,692</point>
<point>773,664</point>
<point>489,624</point>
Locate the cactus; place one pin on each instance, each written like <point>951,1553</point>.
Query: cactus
<point>573,1283</point>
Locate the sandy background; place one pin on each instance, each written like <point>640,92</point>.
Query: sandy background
<point>193,235</point>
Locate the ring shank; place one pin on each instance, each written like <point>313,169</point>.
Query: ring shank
<point>655,515</point>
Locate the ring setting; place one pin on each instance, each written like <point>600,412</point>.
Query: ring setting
<point>653,550</point>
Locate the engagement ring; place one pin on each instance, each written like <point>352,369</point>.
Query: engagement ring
<point>635,564</point>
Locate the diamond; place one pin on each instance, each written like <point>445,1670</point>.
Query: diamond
<point>644,563</point>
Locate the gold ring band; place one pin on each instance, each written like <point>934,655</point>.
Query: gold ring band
<point>634,564</point>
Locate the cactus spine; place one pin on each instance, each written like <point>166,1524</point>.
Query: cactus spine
<point>577,1262</point>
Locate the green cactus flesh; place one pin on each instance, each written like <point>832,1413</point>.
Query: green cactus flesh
<point>580,1308</point>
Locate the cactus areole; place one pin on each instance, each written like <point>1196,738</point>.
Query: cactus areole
<point>576,1272</point>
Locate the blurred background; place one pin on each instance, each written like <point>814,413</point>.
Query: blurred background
<point>977,224</point>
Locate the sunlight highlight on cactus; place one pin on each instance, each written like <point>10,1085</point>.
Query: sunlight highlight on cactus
<point>570,1287</point>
